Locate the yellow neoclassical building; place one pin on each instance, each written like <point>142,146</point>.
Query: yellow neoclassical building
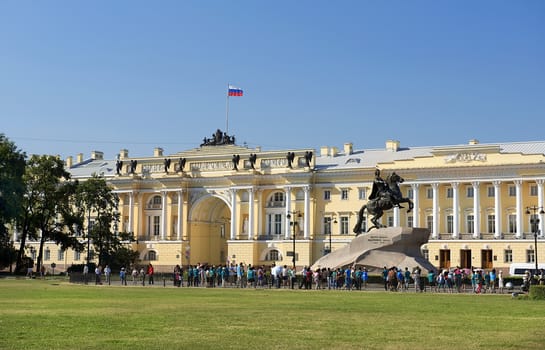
<point>220,202</point>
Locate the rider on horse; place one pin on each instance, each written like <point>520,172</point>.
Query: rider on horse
<point>381,190</point>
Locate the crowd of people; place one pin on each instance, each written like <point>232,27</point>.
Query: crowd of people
<point>395,279</point>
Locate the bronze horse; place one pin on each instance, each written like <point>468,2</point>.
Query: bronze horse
<point>386,199</point>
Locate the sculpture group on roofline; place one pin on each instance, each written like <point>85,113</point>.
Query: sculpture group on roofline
<point>219,138</point>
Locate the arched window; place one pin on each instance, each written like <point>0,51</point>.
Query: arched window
<point>276,200</point>
<point>155,203</point>
<point>273,255</point>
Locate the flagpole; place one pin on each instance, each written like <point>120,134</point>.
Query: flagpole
<point>227,113</point>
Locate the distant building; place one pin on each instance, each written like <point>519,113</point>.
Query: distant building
<point>209,206</point>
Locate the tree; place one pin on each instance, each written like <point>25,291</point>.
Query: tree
<point>12,168</point>
<point>97,202</point>
<point>46,204</point>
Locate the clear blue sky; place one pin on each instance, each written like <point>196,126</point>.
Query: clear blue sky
<point>77,76</point>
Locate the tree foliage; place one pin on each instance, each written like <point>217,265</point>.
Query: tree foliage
<point>12,167</point>
<point>99,205</point>
<point>45,204</point>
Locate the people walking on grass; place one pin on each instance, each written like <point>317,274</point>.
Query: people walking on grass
<point>418,283</point>
<point>385,278</point>
<point>98,273</point>
<point>123,276</point>
<point>250,276</point>
<point>406,279</point>
<point>150,274</point>
<point>107,273</point>
<point>364,277</point>
<point>142,275</point>
<point>492,275</point>
<point>500,281</point>
<point>177,276</point>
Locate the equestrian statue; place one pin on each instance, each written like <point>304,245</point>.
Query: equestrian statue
<point>385,195</point>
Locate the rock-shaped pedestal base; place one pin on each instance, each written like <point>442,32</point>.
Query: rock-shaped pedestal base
<point>391,246</point>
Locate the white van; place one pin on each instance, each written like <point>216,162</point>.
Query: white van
<point>518,269</point>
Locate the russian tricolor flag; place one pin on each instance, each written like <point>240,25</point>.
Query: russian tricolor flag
<point>234,91</point>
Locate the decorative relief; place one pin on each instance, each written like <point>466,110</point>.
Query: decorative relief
<point>465,157</point>
<point>274,163</point>
<point>152,168</point>
<point>212,166</point>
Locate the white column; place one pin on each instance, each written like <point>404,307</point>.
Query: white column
<point>164,215</point>
<point>540,204</point>
<point>497,209</point>
<point>455,210</point>
<point>288,211</point>
<point>131,213</point>
<point>476,210</point>
<point>233,213</point>
<point>251,214</point>
<point>138,225</point>
<point>435,210</point>
<point>179,223</point>
<point>518,184</point>
<point>306,217</point>
<point>396,216</point>
<point>416,202</point>
<point>260,211</point>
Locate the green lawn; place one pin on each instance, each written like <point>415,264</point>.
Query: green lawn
<point>54,314</point>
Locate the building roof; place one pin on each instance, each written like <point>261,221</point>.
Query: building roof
<point>331,159</point>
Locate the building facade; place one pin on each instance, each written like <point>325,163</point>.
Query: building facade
<point>222,203</point>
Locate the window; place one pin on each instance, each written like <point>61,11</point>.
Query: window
<point>410,193</point>
<point>274,224</point>
<point>470,192</point>
<point>344,194</point>
<point>344,225</point>
<point>450,192</point>
<point>429,193</point>
<point>530,256</point>
<point>152,255</point>
<point>508,256</point>
<point>272,255</point>
<point>450,224</point>
<point>327,195</point>
<point>77,256</point>
<point>426,254</point>
<point>277,200</point>
<point>512,191</point>
<point>47,255</point>
<point>156,225</point>
<point>512,219</point>
<point>410,221</point>
<point>155,203</point>
<point>362,193</point>
<point>533,190</point>
<point>470,221</point>
<point>60,255</point>
<point>491,191</point>
<point>429,222</point>
<point>390,221</point>
<point>491,223</point>
<point>327,225</point>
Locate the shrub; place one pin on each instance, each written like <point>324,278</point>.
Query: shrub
<point>537,292</point>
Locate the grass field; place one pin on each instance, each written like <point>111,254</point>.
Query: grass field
<point>53,314</point>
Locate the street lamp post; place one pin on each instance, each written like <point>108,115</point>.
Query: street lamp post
<point>88,235</point>
<point>293,223</point>
<point>534,222</point>
<point>330,233</point>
